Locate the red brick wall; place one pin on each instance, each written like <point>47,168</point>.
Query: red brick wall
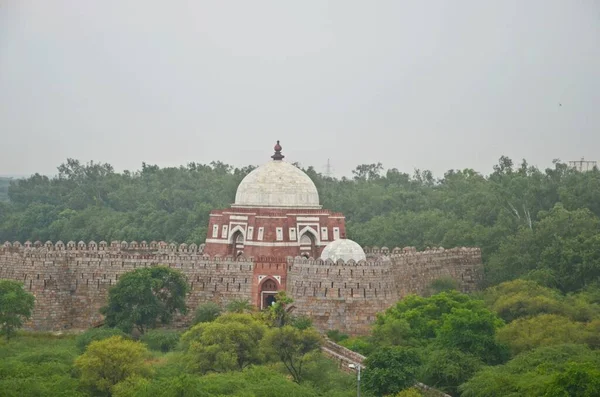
<point>270,220</point>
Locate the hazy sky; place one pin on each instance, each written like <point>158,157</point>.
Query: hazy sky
<point>412,84</point>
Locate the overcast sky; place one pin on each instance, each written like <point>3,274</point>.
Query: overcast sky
<point>413,84</point>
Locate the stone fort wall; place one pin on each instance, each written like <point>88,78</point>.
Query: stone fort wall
<point>71,281</point>
<point>348,295</point>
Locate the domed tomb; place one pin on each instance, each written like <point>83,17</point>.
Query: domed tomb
<point>344,249</point>
<point>277,184</point>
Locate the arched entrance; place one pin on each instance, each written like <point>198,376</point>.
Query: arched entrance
<point>237,244</point>
<point>308,245</point>
<point>268,290</point>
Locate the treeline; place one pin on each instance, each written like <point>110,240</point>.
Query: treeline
<point>540,223</point>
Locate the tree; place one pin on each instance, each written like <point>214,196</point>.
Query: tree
<point>446,369</point>
<point>542,330</point>
<point>109,361</point>
<point>146,297</point>
<point>16,305</point>
<point>529,373</point>
<point>578,380</point>
<point>229,343</point>
<point>522,298</point>
<point>390,370</point>
<point>472,332</point>
<point>278,310</point>
<point>415,319</point>
<point>293,347</point>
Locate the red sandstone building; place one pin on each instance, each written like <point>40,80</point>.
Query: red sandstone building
<point>276,214</point>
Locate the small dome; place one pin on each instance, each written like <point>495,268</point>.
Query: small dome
<point>344,249</point>
<point>277,184</point>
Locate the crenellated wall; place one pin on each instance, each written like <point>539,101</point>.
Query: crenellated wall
<point>70,281</point>
<point>348,295</point>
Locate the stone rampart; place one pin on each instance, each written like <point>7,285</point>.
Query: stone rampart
<point>71,284</point>
<point>347,296</point>
<point>70,281</point>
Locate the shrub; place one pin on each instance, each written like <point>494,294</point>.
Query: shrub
<point>93,334</point>
<point>107,362</point>
<point>206,313</point>
<point>302,322</point>
<point>161,340</point>
<point>336,336</point>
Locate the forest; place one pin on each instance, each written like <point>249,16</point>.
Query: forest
<point>539,224</point>
<point>532,329</point>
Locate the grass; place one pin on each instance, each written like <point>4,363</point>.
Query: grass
<point>38,364</point>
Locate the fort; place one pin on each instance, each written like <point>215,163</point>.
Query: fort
<point>298,247</point>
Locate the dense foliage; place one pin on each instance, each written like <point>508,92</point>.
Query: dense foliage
<point>237,354</point>
<point>145,298</point>
<point>543,223</point>
<point>16,305</point>
<point>494,343</point>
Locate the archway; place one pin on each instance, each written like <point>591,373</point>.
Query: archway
<point>308,246</point>
<point>268,290</point>
<point>237,244</point>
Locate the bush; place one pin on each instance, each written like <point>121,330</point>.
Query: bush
<point>206,313</point>
<point>161,340</point>
<point>110,361</point>
<point>336,336</point>
<point>94,334</point>
<point>301,322</point>
<point>359,344</point>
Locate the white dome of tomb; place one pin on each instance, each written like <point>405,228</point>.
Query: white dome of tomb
<point>344,249</point>
<point>277,184</point>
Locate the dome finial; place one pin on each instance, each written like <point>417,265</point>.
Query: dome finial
<point>277,155</point>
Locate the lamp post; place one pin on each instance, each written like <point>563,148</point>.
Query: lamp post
<point>357,367</point>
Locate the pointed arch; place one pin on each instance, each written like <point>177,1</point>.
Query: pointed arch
<point>267,289</point>
<point>237,228</point>
<point>237,238</point>
<point>308,242</point>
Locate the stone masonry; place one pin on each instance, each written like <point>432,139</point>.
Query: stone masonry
<point>71,281</point>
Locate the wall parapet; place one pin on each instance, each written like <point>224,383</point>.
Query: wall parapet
<point>379,256</point>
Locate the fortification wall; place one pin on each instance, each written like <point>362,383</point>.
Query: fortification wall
<point>348,296</point>
<point>343,296</point>
<point>414,271</point>
<point>71,283</point>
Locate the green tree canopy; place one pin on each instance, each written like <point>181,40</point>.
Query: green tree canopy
<point>109,361</point>
<point>528,374</point>
<point>415,319</point>
<point>292,347</point>
<point>146,297</point>
<point>16,305</point>
<point>390,370</point>
<point>230,342</point>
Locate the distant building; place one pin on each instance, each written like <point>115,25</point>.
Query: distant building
<point>583,165</point>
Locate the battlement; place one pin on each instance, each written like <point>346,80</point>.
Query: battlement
<point>161,247</point>
<point>154,246</point>
<point>71,281</point>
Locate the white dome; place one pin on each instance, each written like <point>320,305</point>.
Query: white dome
<point>343,249</point>
<point>277,184</point>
